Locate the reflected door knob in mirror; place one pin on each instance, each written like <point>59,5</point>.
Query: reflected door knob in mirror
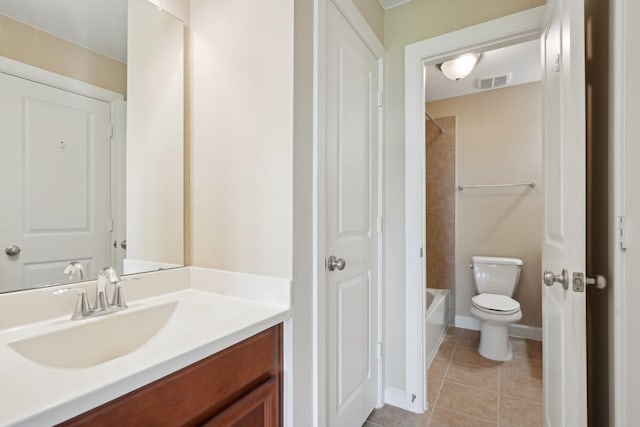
<point>12,250</point>
<point>563,278</point>
<point>336,263</point>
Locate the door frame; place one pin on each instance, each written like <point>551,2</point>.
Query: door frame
<point>511,29</point>
<point>359,24</point>
<point>49,78</point>
<point>623,314</point>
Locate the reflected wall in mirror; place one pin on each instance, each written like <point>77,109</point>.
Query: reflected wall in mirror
<point>91,130</point>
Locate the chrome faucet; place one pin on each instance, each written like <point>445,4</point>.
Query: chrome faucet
<point>106,275</point>
<point>75,269</point>
<point>102,306</point>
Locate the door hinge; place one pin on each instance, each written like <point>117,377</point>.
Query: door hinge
<point>379,225</point>
<point>380,98</point>
<point>110,131</point>
<point>379,351</point>
<point>421,253</point>
<point>110,224</point>
<point>621,222</point>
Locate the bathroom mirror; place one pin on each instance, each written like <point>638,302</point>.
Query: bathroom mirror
<point>91,130</point>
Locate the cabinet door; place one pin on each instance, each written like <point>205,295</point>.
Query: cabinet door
<point>259,408</point>
<point>198,392</point>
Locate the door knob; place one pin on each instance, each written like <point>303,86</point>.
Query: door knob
<point>12,250</point>
<point>563,278</point>
<point>333,263</point>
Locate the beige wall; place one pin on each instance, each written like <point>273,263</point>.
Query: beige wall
<point>241,136</point>
<point>498,139</point>
<point>373,13</point>
<point>31,46</point>
<point>408,23</point>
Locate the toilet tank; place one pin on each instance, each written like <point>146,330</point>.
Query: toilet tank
<point>496,275</point>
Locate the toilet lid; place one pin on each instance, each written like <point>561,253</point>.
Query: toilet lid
<point>498,303</point>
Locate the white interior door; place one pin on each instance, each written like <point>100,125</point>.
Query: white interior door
<point>564,240</point>
<point>351,187</point>
<point>55,160</point>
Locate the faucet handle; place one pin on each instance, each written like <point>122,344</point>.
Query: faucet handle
<point>83,308</point>
<point>118,302</point>
<point>112,274</point>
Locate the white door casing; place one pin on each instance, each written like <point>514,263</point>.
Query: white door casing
<point>564,238</point>
<point>351,232</point>
<point>56,150</point>
<point>517,28</point>
<point>624,136</point>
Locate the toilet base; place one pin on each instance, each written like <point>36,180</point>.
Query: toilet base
<point>494,342</point>
<point>494,334</point>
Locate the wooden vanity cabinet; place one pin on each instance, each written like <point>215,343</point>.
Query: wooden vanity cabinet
<point>240,386</point>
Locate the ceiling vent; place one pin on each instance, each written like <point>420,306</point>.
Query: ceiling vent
<point>494,82</point>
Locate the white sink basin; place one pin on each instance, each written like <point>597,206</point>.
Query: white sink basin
<point>54,368</point>
<point>98,340</point>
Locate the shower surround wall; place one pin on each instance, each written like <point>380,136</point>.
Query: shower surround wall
<point>440,206</point>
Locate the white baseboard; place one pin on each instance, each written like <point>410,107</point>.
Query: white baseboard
<point>467,322</point>
<point>517,331</point>
<point>524,331</point>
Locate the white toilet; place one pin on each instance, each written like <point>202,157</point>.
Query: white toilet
<point>496,280</point>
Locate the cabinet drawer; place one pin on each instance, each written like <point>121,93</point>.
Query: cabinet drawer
<point>198,392</point>
<point>256,409</point>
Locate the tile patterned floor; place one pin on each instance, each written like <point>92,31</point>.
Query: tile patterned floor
<point>467,390</point>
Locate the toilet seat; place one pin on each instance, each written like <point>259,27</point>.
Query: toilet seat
<point>495,304</point>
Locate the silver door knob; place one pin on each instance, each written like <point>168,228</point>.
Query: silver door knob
<point>12,250</point>
<point>333,263</point>
<point>549,278</point>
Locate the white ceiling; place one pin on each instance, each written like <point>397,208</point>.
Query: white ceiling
<point>98,25</point>
<point>521,60</point>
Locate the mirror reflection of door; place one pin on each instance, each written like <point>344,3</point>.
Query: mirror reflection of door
<point>84,201</point>
<point>56,163</point>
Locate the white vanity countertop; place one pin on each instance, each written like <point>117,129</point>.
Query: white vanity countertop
<point>221,308</point>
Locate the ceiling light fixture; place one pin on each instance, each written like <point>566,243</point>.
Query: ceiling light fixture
<point>460,67</point>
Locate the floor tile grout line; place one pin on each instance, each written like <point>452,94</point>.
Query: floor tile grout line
<point>475,364</point>
<point>502,373</point>
<point>441,384</point>
<point>457,362</point>
<point>473,387</point>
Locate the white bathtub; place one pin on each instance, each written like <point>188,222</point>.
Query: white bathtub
<point>436,320</point>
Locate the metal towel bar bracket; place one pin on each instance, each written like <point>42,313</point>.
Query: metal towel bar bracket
<point>531,184</point>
